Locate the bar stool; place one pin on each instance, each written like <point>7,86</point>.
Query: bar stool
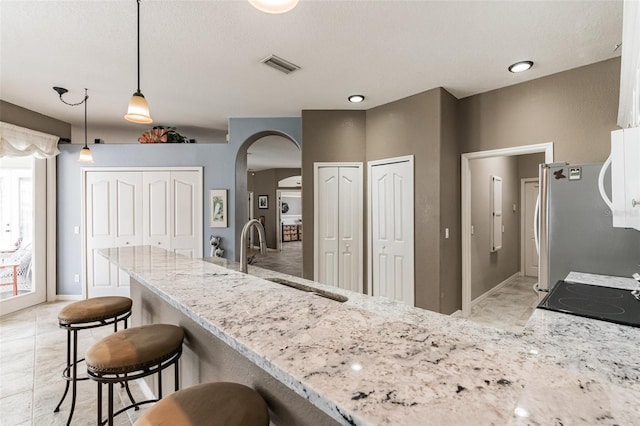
<point>132,354</point>
<point>84,315</point>
<point>210,404</point>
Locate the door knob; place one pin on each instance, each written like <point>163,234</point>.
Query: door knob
<point>634,203</point>
<point>126,242</point>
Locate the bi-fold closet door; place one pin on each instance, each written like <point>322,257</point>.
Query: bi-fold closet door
<point>162,208</point>
<point>338,225</point>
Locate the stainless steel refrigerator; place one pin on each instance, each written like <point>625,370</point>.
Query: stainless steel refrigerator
<point>576,231</point>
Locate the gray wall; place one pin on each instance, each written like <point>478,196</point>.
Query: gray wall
<point>528,165</point>
<point>424,126</point>
<point>575,109</point>
<point>18,116</point>
<point>411,126</point>
<point>329,136</point>
<point>491,268</point>
<point>450,249</point>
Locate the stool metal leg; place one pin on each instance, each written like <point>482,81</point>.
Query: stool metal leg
<point>159,384</point>
<point>99,403</point>
<point>72,367</point>
<point>176,377</point>
<point>66,388</point>
<point>110,404</point>
<point>74,376</point>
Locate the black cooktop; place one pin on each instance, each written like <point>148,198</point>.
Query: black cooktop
<point>592,301</point>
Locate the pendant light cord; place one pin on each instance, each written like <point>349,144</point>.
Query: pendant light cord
<point>138,46</point>
<point>85,117</point>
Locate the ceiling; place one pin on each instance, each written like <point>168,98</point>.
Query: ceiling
<point>200,60</point>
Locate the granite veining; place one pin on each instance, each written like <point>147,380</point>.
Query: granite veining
<point>374,361</point>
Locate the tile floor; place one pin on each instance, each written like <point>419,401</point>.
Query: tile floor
<point>287,261</point>
<point>510,307</point>
<point>32,355</point>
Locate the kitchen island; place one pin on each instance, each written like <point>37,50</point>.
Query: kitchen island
<point>376,361</point>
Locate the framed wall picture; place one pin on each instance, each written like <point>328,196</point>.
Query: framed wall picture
<point>218,208</point>
<point>263,201</point>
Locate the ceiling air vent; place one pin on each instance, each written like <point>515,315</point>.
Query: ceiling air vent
<point>280,64</point>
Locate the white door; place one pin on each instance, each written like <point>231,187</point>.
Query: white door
<point>338,225</point>
<point>350,228</point>
<point>328,224</point>
<point>156,209</point>
<point>113,219</point>
<point>531,190</point>
<point>186,213</point>
<point>391,222</point>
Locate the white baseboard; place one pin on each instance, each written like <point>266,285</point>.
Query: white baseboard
<point>493,290</point>
<point>62,297</point>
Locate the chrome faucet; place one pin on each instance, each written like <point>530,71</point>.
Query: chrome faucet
<point>243,242</point>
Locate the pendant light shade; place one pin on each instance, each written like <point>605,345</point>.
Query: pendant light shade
<point>85,155</point>
<point>274,6</point>
<point>138,111</point>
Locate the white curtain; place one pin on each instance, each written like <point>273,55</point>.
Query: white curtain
<point>629,108</point>
<point>16,141</point>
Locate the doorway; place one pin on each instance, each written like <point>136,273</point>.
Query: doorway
<point>466,202</point>
<point>23,232</point>
<point>274,161</point>
<point>529,190</point>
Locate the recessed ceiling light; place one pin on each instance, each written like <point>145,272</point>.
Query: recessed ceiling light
<point>356,98</point>
<point>520,66</point>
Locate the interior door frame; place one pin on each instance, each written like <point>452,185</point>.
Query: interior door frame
<point>279,219</point>
<point>316,167</point>
<point>370,165</point>
<point>523,231</point>
<point>83,197</point>
<point>465,202</point>
<point>44,249</point>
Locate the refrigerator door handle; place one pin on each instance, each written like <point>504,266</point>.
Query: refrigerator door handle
<point>603,193</point>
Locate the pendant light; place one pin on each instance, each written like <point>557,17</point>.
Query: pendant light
<point>274,6</point>
<point>138,111</point>
<point>85,152</point>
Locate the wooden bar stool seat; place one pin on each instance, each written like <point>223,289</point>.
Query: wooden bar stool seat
<point>132,354</point>
<point>84,315</point>
<point>209,404</point>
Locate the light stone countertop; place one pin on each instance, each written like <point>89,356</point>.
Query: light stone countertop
<point>375,361</point>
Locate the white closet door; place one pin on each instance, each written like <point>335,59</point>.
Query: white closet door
<point>392,245</point>
<point>328,225</point>
<point>100,232</point>
<point>338,218</point>
<point>114,218</point>
<point>350,228</point>
<point>156,209</point>
<point>186,213</point>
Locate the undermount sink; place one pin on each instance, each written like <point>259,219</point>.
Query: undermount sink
<point>322,293</point>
